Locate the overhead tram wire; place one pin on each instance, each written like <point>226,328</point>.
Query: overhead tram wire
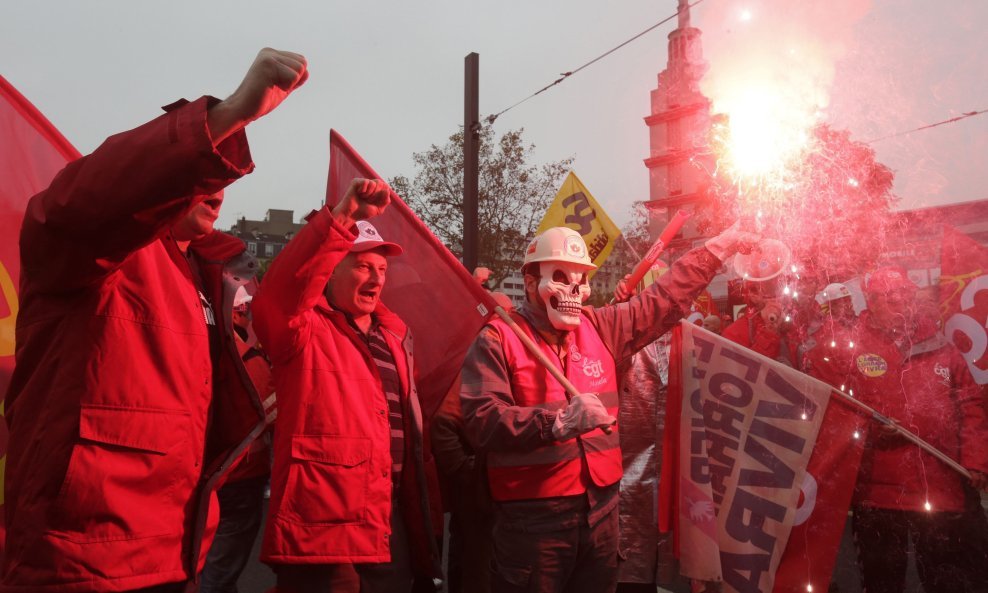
<point>563,76</point>
<point>928,126</point>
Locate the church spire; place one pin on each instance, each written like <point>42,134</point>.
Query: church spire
<point>679,125</point>
<point>684,14</point>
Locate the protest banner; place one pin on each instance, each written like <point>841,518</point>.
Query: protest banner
<point>737,485</point>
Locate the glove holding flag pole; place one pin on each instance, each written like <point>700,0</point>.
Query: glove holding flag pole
<point>584,413</point>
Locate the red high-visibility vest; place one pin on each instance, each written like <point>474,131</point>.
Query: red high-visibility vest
<point>557,469</point>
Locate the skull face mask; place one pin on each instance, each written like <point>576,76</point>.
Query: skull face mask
<point>564,288</point>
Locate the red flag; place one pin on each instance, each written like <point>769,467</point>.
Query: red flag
<point>705,304</point>
<point>964,299</point>
<point>31,152</point>
<point>754,437</point>
<point>427,286</point>
<point>826,495</point>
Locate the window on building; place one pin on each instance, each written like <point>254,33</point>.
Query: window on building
<point>268,249</point>
<point>251,247</point>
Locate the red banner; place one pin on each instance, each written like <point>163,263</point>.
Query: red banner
<point>827,489</point>
<point>758,468</point>
<point>427,286</point>
<point>964,299</point>
<point>31,152</point>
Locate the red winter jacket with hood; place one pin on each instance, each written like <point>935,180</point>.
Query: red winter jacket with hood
<point>331,483</point>
<point>110,471</point>
<point>925,385</point>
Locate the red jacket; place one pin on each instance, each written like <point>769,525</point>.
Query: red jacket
<point>256,461</point>
<point>109,472</point>
<point>750,331</point>
<point>928,389</point>
<point>331,483</point>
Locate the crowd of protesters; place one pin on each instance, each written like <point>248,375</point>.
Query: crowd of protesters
<point>149,361</point>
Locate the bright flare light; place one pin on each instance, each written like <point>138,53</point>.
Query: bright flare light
<point>928,506</point>
<point>766,134</point>
<point>745,15</point>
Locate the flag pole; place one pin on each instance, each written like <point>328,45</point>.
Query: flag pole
<point>910,436</point>
<point>656,249</point>
<point>881,419</point>
<point>571,390</point>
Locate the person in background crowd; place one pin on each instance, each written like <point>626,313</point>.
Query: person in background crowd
<point>903,368</point>
<point>124,351</point>
<point>482,276</point>
<point>553,469</point>
<point>711,323</point>
<point>762,327</point>
<point>349,503</point>
<point>828,334</point>
<point>242,496</point>
<point>467,497</point>
<point>645,556</point>
<point>465,488</point>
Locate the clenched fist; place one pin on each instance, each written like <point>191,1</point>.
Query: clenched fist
<point>270,79</point>
<point>365,198</point>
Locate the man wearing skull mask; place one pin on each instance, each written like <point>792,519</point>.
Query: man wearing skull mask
<point>554,464</point>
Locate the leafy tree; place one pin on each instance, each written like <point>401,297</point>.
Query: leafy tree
<point>513,196</point>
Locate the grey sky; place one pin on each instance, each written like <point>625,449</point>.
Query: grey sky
<point>389,76</point>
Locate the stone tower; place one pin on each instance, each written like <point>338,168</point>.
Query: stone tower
<point>679,164</point>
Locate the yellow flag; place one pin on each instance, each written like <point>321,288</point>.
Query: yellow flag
<point>575,208</point>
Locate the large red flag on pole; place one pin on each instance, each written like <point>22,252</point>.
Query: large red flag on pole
<point>758,469</point>
<point>31,152</point>
<point>964,299</point>
<point>427,286</point>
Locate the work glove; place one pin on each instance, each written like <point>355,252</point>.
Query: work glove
<point>584,413</point>
<point>731,240</point>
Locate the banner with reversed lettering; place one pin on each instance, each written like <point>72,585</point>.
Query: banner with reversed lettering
<point>746,433</point>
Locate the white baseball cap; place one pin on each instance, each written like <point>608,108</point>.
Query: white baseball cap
<point>368,238</point>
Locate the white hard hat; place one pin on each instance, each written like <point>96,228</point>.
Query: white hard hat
<point>560,244</point>
<point>241,299</point>
<point>832,292</point>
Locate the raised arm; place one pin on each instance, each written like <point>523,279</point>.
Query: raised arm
<point>295,282</point>
<point>130,190</point>
<point>628,327</point>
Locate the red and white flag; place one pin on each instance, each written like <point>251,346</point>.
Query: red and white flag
<point>755,483</point>
<point>427,286</point>
<point>31,152</point>
<point>964,299</point>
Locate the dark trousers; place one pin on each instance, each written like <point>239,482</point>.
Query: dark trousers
<point>390,577</point>
<point>241,505</point>
<point>549,546</point>
<point>951,549</point>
